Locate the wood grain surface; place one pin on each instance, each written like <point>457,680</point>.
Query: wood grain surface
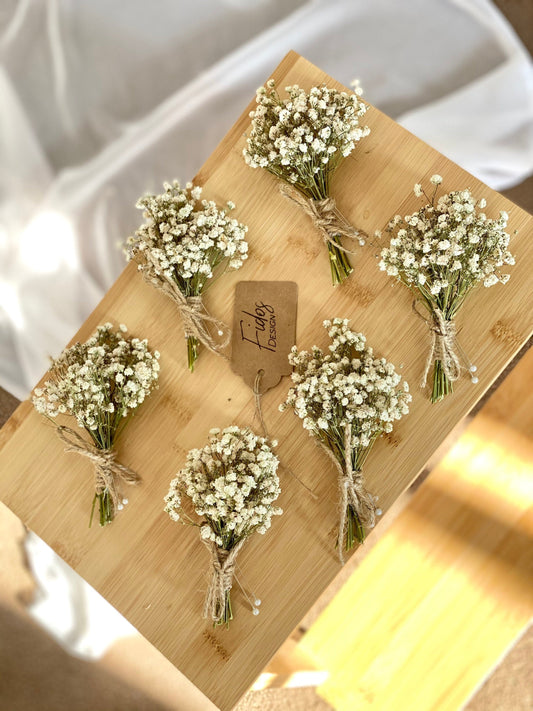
<point>155,571</point>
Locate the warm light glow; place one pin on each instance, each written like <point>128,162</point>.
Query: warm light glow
<point>263,681</point>
<point>10,303</point>
<point>47,244</point>
<point>296,680</point>
<point>499,460</point>
<point>306,679</point>
<point>446,589</point>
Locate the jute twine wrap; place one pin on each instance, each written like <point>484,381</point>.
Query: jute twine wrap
<point>443,345</point>
<point>109,474</point>
<point>325,216</point>
<point>197,321</point>
<point>352,491</point>
<point>224,563</point>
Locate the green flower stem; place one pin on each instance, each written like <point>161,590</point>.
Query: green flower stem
<point>355,531</point>
<point>105,508</point>
<point>192,351</point>
<point>227,614</point>
<point>317,188</point>
<point>340,264</point>
<point>442,385</point>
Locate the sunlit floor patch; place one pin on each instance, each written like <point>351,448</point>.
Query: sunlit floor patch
<point>445,592</point>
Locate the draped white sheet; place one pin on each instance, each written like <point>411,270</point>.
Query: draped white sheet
<point>103,100</point>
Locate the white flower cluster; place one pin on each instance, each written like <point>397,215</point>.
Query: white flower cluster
<point>305,134</point>
<point>232,483</point>
<point>448,246</point>
<point>348,385</point>
<point>187,237</point>
<point>100,381</point>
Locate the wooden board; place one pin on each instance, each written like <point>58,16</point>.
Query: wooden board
<point>155,571</point>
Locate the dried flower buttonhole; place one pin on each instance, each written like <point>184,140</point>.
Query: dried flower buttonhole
<point>100,383</point>
<point>441,252</point>
<point>302,139</point>
<point>232,484</point>
<point>184,241</point>
<point>347,398</point>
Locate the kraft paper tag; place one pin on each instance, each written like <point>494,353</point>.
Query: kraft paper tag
<point>264,331</point>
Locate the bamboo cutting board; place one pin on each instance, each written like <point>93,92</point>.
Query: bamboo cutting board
<point>155,571</point>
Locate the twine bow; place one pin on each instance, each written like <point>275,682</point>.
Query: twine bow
<point>352,491</point>
<point>443,345</point>
<point>109,474</point>
<point>325,216</point>
<point>224,562</point>
<point>197,321</point>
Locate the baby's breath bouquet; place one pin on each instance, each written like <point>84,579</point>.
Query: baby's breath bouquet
<point>441,252</point>
<point>100,383</point>
<point>184,241</point>
<point>232,484</point>
<point>302,139</point>
<point>347,398</point>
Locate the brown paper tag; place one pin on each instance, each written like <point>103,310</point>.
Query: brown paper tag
<point>264,330</point>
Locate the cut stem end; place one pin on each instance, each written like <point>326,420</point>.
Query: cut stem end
<point>442,385</point>
<point>192,351</point>
<point>340,264</point>
<point>106,510</point>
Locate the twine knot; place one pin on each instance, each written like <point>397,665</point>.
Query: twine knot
<point>326,217</point>
<point>352,491</point>
<point>444,345</point>
<point>197,322</point>
<point>191,310</point>
<point>210,331</point>
<point>223,569</point>
<point>109,474</point>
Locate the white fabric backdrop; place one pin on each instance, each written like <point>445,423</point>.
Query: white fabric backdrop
<point>104,100</point>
